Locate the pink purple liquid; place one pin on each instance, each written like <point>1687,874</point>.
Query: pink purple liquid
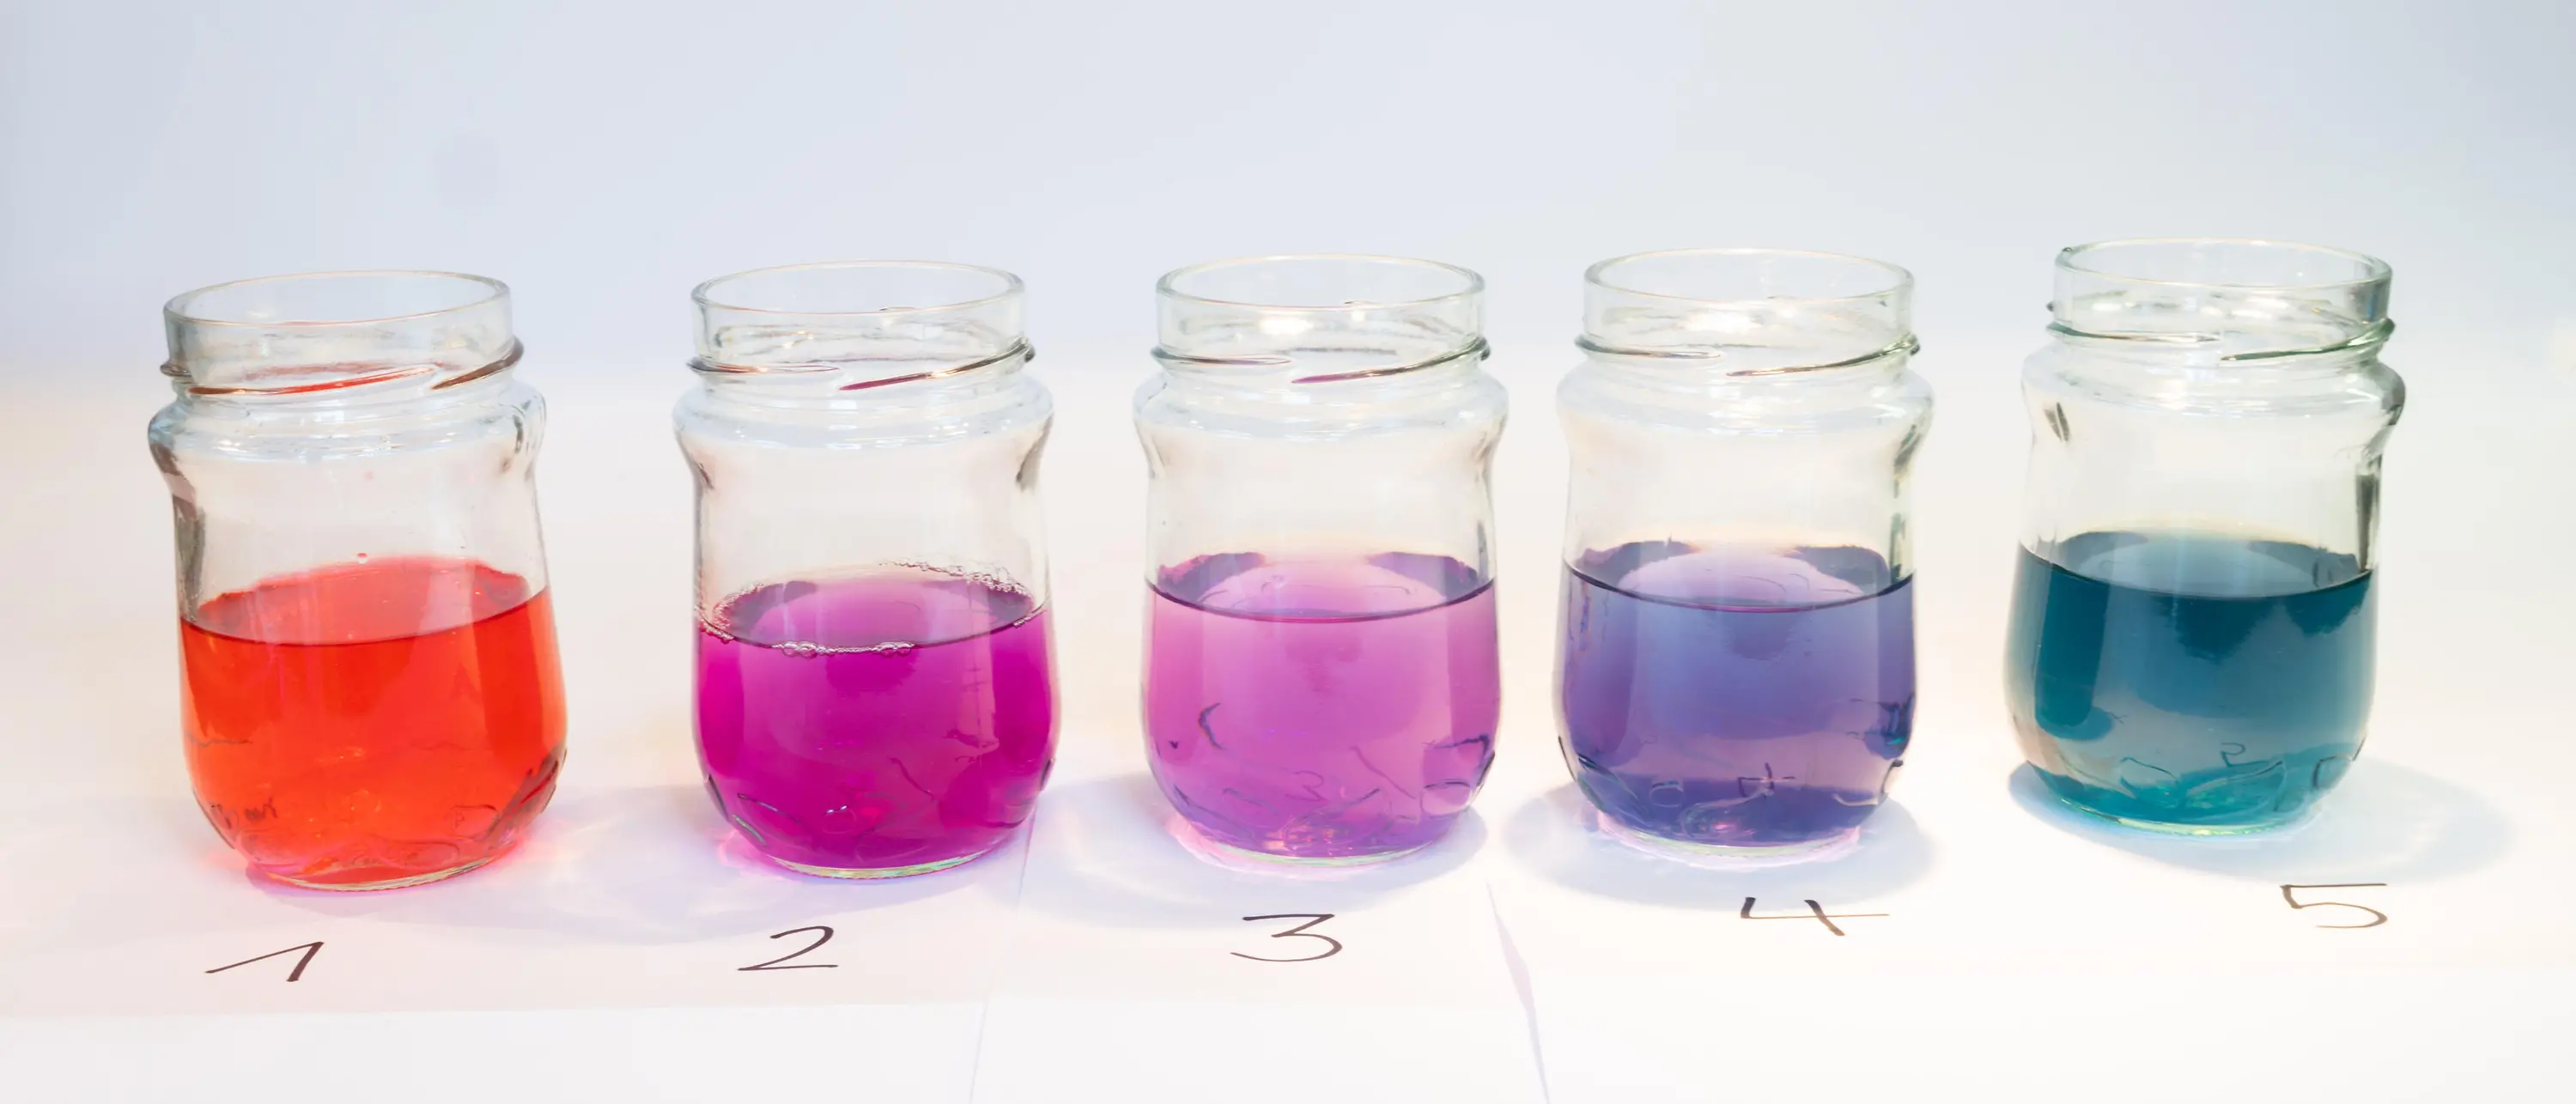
<point>876,725</point>
<point>1321,709</point>
<point>1738,700</point>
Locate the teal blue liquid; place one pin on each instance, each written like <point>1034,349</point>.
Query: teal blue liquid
<point>2190,682</point>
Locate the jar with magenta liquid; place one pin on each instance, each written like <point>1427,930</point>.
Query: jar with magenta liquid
<point>1321,681</point>
<point>875,684</point>
<point>2190,648</point>
<point>1736,671</point>
<point>369,691</point>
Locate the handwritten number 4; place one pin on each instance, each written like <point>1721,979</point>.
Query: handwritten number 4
<point>296,974</point>
<point>1332,946</point>
<point>1818,911</point>
<point>2290,893</point>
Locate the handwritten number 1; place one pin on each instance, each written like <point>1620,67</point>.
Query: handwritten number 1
<point>296,974</point>
<point>1332,946</point>
<point>773,964</point>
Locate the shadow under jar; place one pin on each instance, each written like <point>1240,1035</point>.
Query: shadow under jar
<point>1321,681</point>
<point>875,678</point>
<point>1736,672</point>
<point>2190,647</point>
<point>369,688</point>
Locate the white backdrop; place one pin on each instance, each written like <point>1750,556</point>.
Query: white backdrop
<point>603,158</point>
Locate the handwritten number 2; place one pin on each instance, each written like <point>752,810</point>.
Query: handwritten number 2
<point>2290,893</point>
<point>296,974</point>
<point>1332,946</point>
<point>773,964</point>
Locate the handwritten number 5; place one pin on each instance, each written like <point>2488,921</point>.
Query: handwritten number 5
<point>2290,894</point>
<point>296,974</point>
<point>773,964</point>
<point>1332,946</point>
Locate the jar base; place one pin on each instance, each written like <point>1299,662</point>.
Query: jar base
<point>2181,830</point>
<point>1269,862</point>
<point>389,883</point>
<point>880,873</point>
<point>1716,856</point>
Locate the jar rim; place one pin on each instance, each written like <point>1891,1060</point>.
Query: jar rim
<point>1899,278</point>
<point>1471,284</point>
<point>184,307</point>
<point>2371,269</point>
<point>1010,286</point>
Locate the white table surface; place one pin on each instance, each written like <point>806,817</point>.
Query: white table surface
<point>2022,952</point>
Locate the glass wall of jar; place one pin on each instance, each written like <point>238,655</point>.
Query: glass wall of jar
<point>2190,644</point>
<point>1736,672</point>
<point>875,677</point>
<point>1321,679</point>
<point>369,690</point>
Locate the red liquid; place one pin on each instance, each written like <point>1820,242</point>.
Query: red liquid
<point>368,725</point>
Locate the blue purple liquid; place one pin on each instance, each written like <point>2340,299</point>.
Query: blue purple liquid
<point>2190,682</point>
<point>1328,710</point>
<point>1734,699</point>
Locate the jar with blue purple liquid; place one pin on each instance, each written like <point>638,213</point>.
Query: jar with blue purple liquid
<point>2190,647</point>
<point>1736,673</point>
<point>875,688</point>
<point>1321,673</point>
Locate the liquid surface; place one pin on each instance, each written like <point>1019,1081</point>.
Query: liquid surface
<point>878,724</point>
<point>2190,681</point>
<point>373,724</point>
<point>1321,709</point>
<point>1736,699</point>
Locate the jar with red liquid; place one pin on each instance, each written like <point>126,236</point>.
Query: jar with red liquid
<point>875,685</point>
<point>1321,680</point>
<point>1735,675</point>
<point>369,689</point>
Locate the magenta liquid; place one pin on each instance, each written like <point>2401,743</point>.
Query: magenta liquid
<point>1321,709</point>
<point>891,723</point>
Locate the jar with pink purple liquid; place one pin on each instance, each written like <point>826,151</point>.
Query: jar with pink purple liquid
<point>1321,681</point>
<point>875,687</point>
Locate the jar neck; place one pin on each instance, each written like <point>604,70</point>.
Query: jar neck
<point>2199,304</point>
<point>1737,319</point>
<point>874,384</point>
<point>378,403</point>
<point>853,334</point>
<point>339,337</point>
<point>1299,328</point>
<point>1323,372</point>
<point>1767,374</point>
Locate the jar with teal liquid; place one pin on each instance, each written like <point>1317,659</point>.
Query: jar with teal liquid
<point>2191,639</point>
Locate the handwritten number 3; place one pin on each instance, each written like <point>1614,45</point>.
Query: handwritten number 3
<point>773,964</point>
<point>1332,946</point>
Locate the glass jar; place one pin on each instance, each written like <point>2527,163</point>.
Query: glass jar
<point>1736,673</point>
<point>369,689</point>
<point>1321,680</point>
<point>875,677</point>
<point>2190,646</point>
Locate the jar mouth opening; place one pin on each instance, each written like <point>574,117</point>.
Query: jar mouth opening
<point>1321,283</point>
<point>858,289</point>
<point>2251,264</point>
<point>1741,275</point>
<point>315,300</point>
